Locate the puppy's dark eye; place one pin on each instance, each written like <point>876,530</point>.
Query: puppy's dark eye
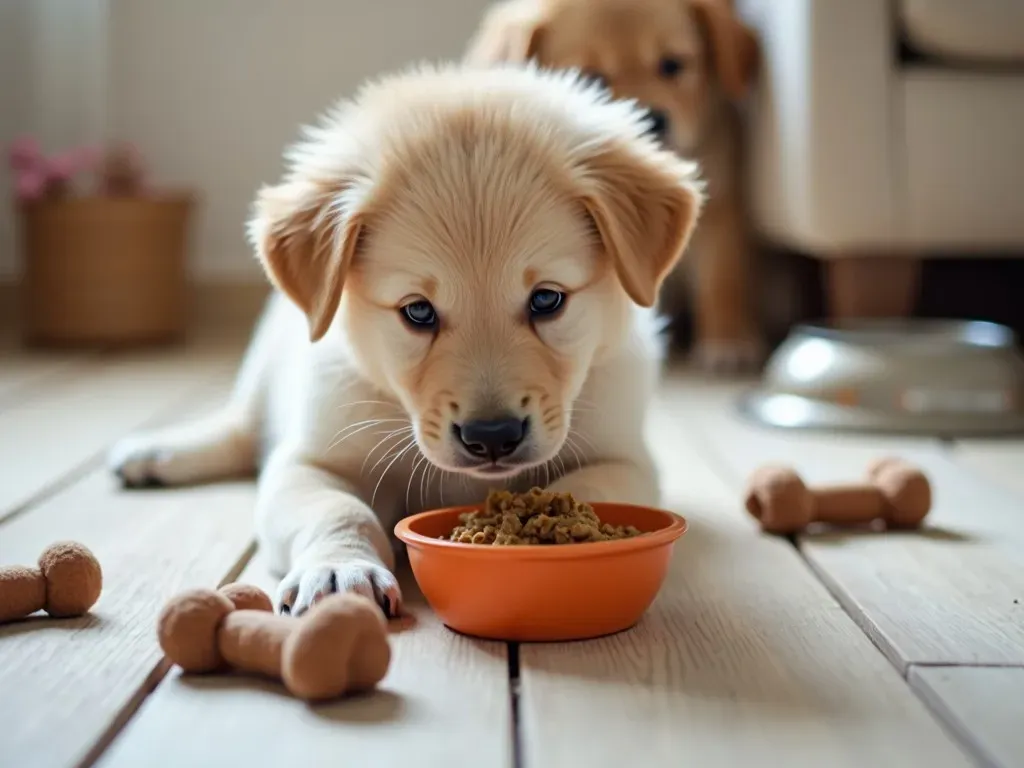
<point>670,66</point>
<point>545,302</point>
<point>421,315</point>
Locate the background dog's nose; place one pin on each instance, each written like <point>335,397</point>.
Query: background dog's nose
<point>492,438</point>
<point>659,122</point>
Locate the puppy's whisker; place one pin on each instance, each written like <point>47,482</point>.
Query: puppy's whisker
<point>341,435</point>
<point>427,468</point>
<point>373,450</point>
<point>368,422</point>
<point>575,433</point>
<point>415,465</point>
<point>386,453</point>
<point>412,442</point>
<point>354,429</point>
<point>571,445</point>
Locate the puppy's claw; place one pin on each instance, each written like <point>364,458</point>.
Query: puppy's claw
<point>304,587</point>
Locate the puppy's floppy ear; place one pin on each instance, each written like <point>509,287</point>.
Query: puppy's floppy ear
<point>306,234</point>
<point>735,51</point>
<point>645,203</point>
<point>510,32</point>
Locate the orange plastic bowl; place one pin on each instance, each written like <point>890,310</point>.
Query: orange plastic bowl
<point>542,593</point>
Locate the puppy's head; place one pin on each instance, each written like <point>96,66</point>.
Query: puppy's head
<point>476,238</point>
<point>678,58</point>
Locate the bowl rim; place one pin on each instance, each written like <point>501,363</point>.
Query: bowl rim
<point>883,333</point>
<point>677,526</point>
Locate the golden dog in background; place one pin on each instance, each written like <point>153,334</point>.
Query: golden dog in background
<point>689,62</point>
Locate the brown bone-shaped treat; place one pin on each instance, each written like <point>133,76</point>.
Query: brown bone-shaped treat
<point>895,492</point>
<point>338,646</point>
<point>67,583</point>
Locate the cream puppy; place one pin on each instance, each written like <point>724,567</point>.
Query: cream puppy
<point>465,261</point>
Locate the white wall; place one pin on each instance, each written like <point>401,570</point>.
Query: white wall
<point>52,85</point>
<point>14,109</point>
<point>210,90</point>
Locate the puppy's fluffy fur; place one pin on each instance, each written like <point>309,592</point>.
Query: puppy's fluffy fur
<point>690,62</point>
<point>466,191</point>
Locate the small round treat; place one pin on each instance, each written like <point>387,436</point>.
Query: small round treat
<point>340,645</point>
<point>74,579</point>
<point>187,629</point>
<point>247,597</point>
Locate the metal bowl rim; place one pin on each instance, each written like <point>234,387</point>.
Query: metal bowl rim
<point>926,332</point>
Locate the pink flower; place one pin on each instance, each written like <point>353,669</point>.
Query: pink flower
<point>30,184</point>
<point>66,164</point>
<point>25,152</point>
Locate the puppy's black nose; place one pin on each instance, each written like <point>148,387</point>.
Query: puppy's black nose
<point>491,438</point>
<point>658,121</point>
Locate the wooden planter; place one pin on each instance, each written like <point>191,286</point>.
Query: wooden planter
<point>105,270</point>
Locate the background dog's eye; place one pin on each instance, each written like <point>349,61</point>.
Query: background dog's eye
<point>545,301</point>
<point>670,66</point>
<point>420,314</point>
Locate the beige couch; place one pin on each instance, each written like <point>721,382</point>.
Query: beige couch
<point>884,131</point>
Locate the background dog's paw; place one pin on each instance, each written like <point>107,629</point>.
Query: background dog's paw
<point>304,586</point>
<point>729,357</point>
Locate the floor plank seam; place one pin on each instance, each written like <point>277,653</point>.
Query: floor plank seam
<point>721,468</point>
<point>125,714</point>
<point>37,387</point>
<point>73,476</point>
<point>859,618</point>
<point>155,677</point>
<point>240,565</point>
<point>95,460</point>
<point>514,683</point>
<point>955,729</point>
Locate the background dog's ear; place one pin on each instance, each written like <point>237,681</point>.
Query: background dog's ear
<point>510,32</point>
<point>645,203</point>
<point>734,48</point>
<point>305,236</point>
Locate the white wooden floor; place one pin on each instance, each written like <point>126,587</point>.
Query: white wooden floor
<point>836,650</point>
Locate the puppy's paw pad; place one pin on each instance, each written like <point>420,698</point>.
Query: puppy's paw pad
<point>303,588</point>
<point>729,357</point>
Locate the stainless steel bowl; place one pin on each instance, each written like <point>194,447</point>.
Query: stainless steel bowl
<point>922,377</point>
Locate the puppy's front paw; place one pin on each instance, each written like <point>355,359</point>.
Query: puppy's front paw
<point>305,585</point>
<point>141,461</point>
<point>729,356</point>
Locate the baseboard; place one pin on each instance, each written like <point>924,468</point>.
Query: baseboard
<point>227,304</point>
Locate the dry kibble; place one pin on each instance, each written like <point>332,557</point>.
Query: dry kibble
<point>535,517</point>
